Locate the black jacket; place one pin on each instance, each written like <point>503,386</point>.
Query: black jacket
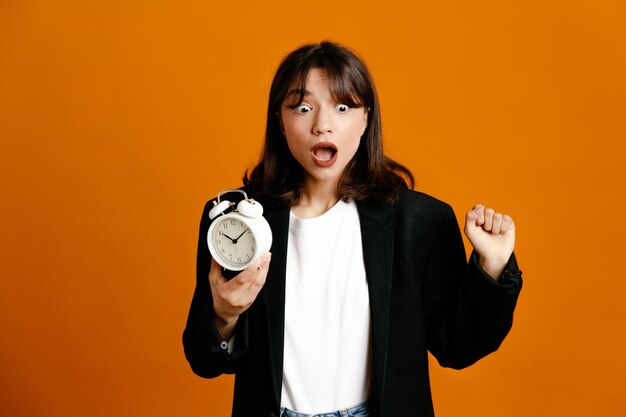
<point>423,296</point>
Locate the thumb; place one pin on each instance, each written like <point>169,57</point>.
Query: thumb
<point>474,214</point>
<point>215,274</point>
<point>474,218</point>
<point>471,216</point>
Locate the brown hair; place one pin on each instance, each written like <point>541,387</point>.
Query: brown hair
<point>370,175</point>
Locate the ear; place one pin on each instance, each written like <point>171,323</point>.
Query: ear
<point>365,113</point>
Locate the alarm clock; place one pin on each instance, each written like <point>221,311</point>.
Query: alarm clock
<point>237,236</point>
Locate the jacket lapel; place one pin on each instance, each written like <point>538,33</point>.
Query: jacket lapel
<point>378,258</point>
<point>275,295</point>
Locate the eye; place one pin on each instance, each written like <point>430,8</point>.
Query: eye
<point>303,108</point>
<point>342,108</point>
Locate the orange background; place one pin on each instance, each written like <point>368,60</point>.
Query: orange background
<point>119,119</point>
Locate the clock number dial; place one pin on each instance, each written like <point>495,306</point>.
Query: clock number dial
<point>234,242</point>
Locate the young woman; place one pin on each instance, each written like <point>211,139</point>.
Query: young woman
<point>365,276</point>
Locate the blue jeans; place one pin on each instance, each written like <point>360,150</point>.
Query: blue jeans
<point>361,410</point>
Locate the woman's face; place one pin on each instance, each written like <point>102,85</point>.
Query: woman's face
<point>322,135</point>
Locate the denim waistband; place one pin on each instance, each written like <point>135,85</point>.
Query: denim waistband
<point>361,410</point>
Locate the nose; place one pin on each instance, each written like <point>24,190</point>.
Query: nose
<point>323,121</point>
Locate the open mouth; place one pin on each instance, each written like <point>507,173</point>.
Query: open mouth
<point>324,151</point>
<point>324,154</point>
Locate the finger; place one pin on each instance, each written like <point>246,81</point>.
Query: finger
<point>497,223</point>
<point>480,210</point>
<point>251,281</point>
<point>259,271</point>
<point>507,224</point>
<point>263,262</point>
<point>488,219</point>
<point>215,274</point>
<point>253,275</point>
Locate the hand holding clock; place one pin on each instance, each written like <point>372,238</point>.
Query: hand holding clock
<point>231,298</point>
<point>492,235</point>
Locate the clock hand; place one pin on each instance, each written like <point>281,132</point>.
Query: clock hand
<point>237,238</point>
<point>231,239</point>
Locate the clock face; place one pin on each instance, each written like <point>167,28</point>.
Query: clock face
<point>233,241</point>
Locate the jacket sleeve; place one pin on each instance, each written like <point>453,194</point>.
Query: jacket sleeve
<point>468,314</point>
<point>205,350</point>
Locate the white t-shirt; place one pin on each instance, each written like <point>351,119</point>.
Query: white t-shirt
<point>327,356</point>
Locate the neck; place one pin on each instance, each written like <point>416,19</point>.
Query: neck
<point>316,199</point>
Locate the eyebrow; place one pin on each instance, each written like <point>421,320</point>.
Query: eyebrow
<point>296,92</point>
